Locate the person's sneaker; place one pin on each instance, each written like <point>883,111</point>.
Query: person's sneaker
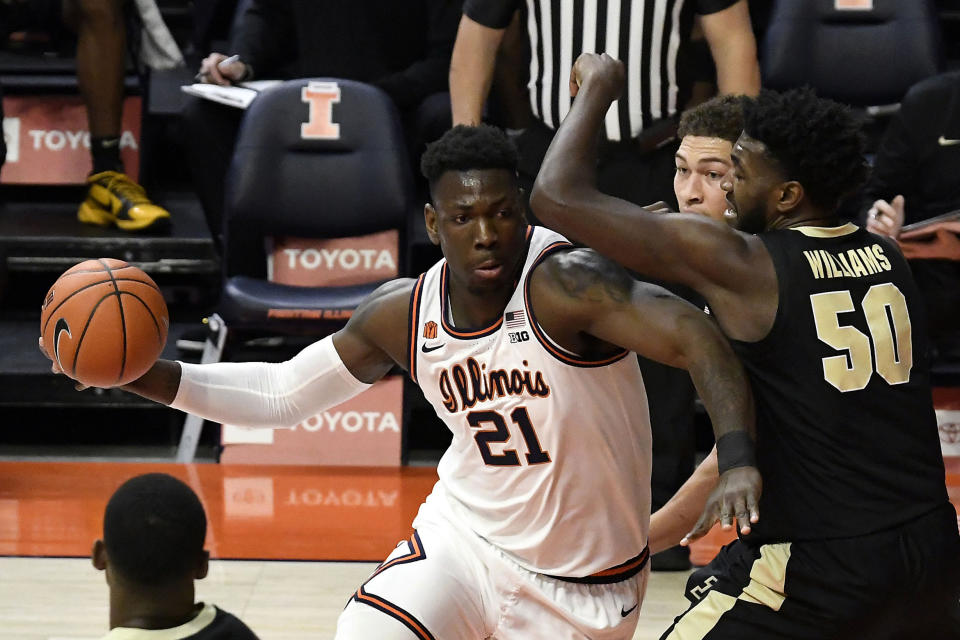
<point>114,199</point>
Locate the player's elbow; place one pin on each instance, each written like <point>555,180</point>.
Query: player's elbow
<point>552,200</point>
<point>700,343</point>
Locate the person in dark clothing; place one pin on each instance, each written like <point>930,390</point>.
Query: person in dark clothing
<point>152,551</point>
<point>915,178</point>
<point>401,47</point>
<point>113,198</point>
<point>856,536</point>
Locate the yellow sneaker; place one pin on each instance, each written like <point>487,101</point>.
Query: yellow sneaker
<point>114,199</point>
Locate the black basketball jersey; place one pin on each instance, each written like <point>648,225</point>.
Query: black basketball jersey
<point>847,438</point>
<point>212,623</point>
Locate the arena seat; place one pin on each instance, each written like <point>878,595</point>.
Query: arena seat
<point>331,170</point>
<point>861,52</point>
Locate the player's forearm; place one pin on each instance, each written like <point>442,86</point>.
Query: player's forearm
<point>729,34</point>
<point>159,384</point>
<point>719,378</point>
<point>670,523</point>
<point>738,71</point>
<point>567,179</point>
<point>471,70</point>
<point>268,395</point>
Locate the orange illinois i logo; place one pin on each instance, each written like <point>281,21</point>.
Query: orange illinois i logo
<point>321,96</point>
<point>430,330</point>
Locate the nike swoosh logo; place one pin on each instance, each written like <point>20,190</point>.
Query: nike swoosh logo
<point>947,142</point>
<point>625,612</point>
<point>60,327</point>
<point>427,349</point>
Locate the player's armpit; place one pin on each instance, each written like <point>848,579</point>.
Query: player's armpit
<point>375,338</point>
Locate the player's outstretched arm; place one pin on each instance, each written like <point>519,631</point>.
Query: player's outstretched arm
<point>581,292</point>
<point>260,394</point>
<point>694,250</point>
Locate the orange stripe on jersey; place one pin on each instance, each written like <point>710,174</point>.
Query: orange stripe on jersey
<point>629,565</point>
<point>619,573</point>
<point>392,610</point>
<point>416,553</point>
<point>443,315</point>
<point>412,330</point>
<point>542,338</point>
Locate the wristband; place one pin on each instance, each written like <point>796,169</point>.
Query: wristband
<point>735,449</point>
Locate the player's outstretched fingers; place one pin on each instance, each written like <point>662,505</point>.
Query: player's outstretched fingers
<point>54,367</point>
<point>726,513</point>
<point>743,516</point>
<point>707,519</point>
<point>753,504</point>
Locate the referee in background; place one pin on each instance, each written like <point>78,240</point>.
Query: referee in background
<point>636,160</point>
<point>651,37</point>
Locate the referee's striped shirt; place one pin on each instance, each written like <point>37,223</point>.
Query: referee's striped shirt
<point>645,34</point>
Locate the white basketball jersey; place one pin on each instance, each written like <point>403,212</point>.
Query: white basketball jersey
<point>550,459</point>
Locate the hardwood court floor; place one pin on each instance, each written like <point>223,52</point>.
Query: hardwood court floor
<point>291,543</point>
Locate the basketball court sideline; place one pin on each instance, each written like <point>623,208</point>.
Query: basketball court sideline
<point>291,544</point>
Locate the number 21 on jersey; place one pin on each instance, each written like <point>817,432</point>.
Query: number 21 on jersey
<point>888,349</point>
<point>501,434</point>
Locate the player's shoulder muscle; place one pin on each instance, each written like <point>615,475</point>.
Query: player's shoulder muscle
<point>582,275</point>
<point>385,309</point>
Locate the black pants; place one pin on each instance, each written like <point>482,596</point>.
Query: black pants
<point>641,178</point>
<point>209,135</point>
<point>898,584</point>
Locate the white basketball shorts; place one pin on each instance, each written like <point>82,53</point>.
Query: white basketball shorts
<point>447,583</point>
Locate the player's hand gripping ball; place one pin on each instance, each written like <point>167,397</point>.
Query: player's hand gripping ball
<point>104,322</point>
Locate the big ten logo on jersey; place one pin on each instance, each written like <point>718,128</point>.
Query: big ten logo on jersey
<point>365,430</point>
<point>518,336</point>
<point>334,262</point>
<point>320,96</point>
<point>48,139</point>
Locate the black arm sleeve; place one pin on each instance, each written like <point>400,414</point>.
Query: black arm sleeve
<point>495,14</point>
<point>267,38</point>
<point>428,75</point>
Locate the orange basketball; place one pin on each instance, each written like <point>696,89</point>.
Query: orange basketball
<point>105,322</point>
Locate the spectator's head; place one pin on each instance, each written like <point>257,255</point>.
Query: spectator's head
<point>707,134</point>
<point>476,214</point>
<point>153,533</point>
<point>799,155</point>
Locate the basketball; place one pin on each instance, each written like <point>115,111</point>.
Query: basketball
<point>104,322</point>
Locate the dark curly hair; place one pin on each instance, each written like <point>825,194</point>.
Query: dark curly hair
<point>720,117</point>
<point>817,142</point>
<point>463,148</point>
<point>153,528</point>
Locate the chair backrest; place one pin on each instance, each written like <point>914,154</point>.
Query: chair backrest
<point>319,158</point>
<point>861,52</point>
